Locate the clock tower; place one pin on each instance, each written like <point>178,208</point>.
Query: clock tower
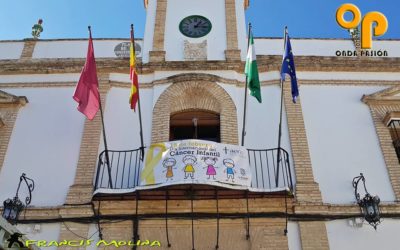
<point>189,30</point>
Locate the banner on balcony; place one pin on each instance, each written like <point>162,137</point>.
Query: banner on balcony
<point>196,162</point>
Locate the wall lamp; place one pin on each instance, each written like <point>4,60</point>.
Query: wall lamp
<point>13,207</point>
<point>369,205</point>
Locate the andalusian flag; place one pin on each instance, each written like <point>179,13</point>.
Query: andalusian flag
<point>133,99</point>
<point>251,70</point>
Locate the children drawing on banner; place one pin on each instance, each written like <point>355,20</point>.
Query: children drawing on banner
<point>230,172</point>
<point>210,161</point>
<point>169,164</point>
<point>189,161</point>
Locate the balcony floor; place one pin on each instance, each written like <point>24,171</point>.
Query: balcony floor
<point>186,192</point>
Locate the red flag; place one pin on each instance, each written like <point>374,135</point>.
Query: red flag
<point>134,96</point>
<point>87,90</point>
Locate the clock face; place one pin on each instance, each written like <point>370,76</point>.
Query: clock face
<point>195,26</point>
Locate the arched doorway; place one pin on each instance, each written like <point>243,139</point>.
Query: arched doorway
<point>194,92</point>
<point>196,124</point>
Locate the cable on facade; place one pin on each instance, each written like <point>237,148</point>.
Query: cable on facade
<point>166,216</point>
<point>98,220</point>
<point>285,231</point>
<point>216,198</point>
<point>77,235</point>
<point>248,216</point>
<point>136,222</point>
<point>192,215</point>
<point>206,216</point>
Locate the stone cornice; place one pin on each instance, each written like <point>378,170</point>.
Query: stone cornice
<point>189,77</point>
<point>110,208</point>
<point>383,97</point>
<point>265,63</point>
<point>8,100</point>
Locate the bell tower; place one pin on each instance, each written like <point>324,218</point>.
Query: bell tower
<point>190,30</point>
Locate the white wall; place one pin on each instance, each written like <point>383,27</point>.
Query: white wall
<point>39,78</point>
<point>319,47</point>
<point>11,50</point>
<point>343,142</point>
<point>293,235</point>
<point>47,232</point>
<point>77,48</point>
<point>216,39</point>
<point>341,236</point>
<point>45,145</point>
<point>122,123</point>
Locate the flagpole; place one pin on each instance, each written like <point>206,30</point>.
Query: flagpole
<point>280,116</point>
<point>104,132</point>
<point>278,159</point>
<point>139,109</point>
<point>245,92</point>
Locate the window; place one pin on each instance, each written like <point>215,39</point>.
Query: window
<point>203,125</point>
<point>392,120</point>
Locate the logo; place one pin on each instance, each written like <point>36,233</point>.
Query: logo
<point>14,241</point>
<point>368,29</point>
<point>122,50</point>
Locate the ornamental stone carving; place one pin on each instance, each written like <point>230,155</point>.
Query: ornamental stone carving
<point>195,51</point>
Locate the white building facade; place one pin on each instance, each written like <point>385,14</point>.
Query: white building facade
<point>338,129</point>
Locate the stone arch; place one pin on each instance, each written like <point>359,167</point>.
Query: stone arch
<point>194,94</point>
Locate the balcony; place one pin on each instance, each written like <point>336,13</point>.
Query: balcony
<point>122,179</point>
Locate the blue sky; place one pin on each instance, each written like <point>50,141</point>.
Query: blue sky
<point>112,18</point>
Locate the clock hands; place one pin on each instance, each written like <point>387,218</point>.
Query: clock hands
<point>197,24</point>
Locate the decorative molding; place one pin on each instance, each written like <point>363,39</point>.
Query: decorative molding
<point>389,96</point>
<point>390,116</point>
<point>384,104</point>
<point>195,51</point>
<point>265,64</point>
<point>8,100</point>
<point>192,92</point>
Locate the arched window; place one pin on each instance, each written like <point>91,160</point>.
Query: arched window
<point>197,124</point>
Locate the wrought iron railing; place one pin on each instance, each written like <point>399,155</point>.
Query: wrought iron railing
<point>123,172</point>
<point>267,172</point>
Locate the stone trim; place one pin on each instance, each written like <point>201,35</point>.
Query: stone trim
<point>390,116</point>
<point>232,52</point>
<point>82,189</point>
<point>126,207</point>
<point>307,190</point>
<point>9,107</point>
<point>167,80</point>
<point>378,113</point>
<point>313,235</point>
<point>158,52</point>
<point>27,51</point>
<point>7,123</point>
<point>380,104</point>
<point>265,64</point>
<point>188,93</point>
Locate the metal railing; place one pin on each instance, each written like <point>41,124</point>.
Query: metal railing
<point>267,172</point>
<point>123,172</point>
<point>125,166</point>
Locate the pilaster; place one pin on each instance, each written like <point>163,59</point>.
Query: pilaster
<point>232,52</point>
<point>307,190</point>
<point>158,52</point>
<point>27,51</point>
<point>82,189</point>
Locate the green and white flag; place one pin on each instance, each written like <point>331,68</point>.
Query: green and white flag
<point>251,71</point>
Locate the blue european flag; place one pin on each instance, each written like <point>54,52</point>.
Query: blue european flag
<point>288,68</point>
